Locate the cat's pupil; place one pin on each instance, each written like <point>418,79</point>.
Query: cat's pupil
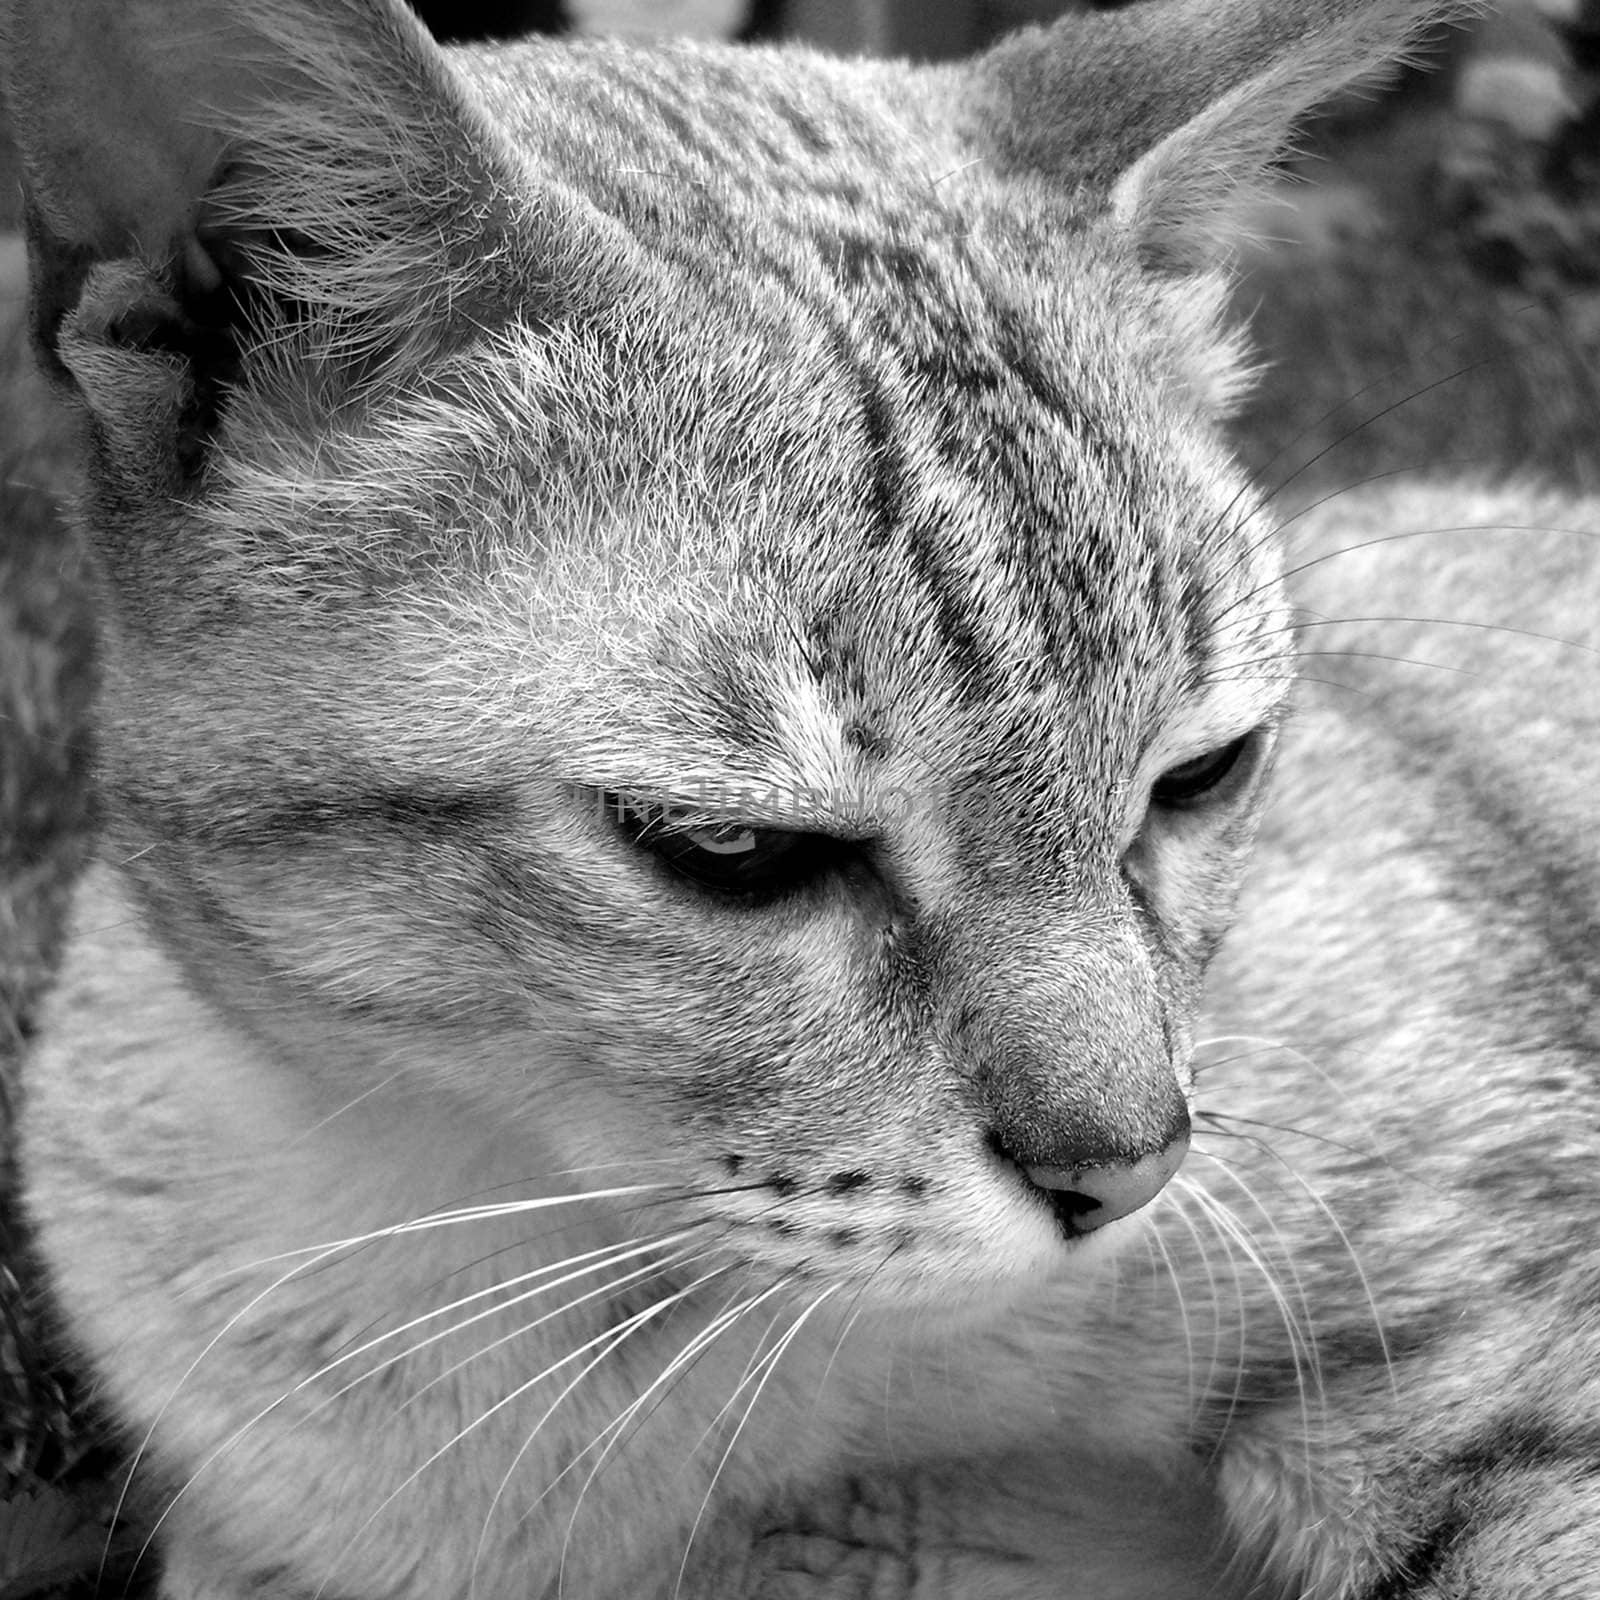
<point>1203,776</point>
<point>732,858</point>
<point>726,840</point>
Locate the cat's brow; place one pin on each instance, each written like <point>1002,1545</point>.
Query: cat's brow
<point>327,811</point>
<point>772,803</point>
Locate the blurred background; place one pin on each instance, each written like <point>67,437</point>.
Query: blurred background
<point>1424,289</point>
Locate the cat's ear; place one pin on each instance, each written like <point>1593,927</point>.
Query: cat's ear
<point>1168,114</point>
<point>309,169</point>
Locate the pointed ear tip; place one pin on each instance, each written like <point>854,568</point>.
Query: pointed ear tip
<point>109,103</point>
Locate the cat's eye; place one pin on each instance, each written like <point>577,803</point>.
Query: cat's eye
<point>731,858</point>
<point>1210,776</point>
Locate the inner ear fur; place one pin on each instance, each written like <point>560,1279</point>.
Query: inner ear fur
<point>1166,115</point>
<point>313,152</point>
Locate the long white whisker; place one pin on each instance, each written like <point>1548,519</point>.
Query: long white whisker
<point>1214,1299</point>
<point>1230,1170</point>
<point>1186,1186</point>
<point>612,1256</point>
<point>1316,1198</point>
<point>614,1430</point>
<point>1302,1342</point>
<point>763,1374</point>
<point>1154,1242</point>
<point>606,1337</point>
<point>440,1219</point>
<point>625,1331</point>
<point>317,1257</point>
<point>349,1105</point>
<point>857,1306</point>
<point>600,1291</point>
<point>1265,1046</point>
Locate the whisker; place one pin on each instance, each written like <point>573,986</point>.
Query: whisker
<point>1381,655</point>
<point>1303,624</point>
<point>1155,1239</point>
<point>1302,1345</point>
<point>142,1449</point>
<point>611,1258</point>
<point>1266,1046</point>
<point>1432,531</point>
<point>655,1394</point>
<point>615,1215</point>
<point>1411,359</point>
<point>1256,482</point>
<point>1342,1145</point>
<point>1377,416</point>
<point>349,1106</point>
<point>644,1273</point>
<point>1186,1189</point>
<point>450,1217</point>
<point>1214,679</point>
<point>684,1359</point>
<point>606,1337</point>
<point>857,1306</point>
<point>1175,1206</point>
<point>506,1477</point>
<point>1230,1170</point>
<point>1255,485</point>
<point>767,1367</point>
<point>1399,536</point>
<point>1321,1203</point>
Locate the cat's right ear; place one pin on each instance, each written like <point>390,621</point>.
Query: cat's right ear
<point>294,170</point>
<point>1165,117</point>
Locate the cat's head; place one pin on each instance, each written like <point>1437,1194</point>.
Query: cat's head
<point>689,601</point>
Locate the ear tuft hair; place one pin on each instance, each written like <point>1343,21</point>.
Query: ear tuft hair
<point>321,162</point>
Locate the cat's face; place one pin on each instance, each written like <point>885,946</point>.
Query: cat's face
<point>774,699</point>
<point>790,760</point>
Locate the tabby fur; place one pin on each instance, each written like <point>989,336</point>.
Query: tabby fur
<point>486,450</point>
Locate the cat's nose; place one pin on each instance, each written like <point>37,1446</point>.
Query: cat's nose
<point>1091,1166</point>
<point>1088,1197</point>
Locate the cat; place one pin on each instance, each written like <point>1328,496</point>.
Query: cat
<point>687,693</point>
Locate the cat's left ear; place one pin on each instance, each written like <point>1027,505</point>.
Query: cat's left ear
<point>208,178</point>
<point>1167,115</point>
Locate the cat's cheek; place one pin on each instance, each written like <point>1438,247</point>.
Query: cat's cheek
<point>1012,1256</point>
<point>1187,879</point>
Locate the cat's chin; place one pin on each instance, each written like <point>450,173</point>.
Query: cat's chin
<point>1042,1269</point>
